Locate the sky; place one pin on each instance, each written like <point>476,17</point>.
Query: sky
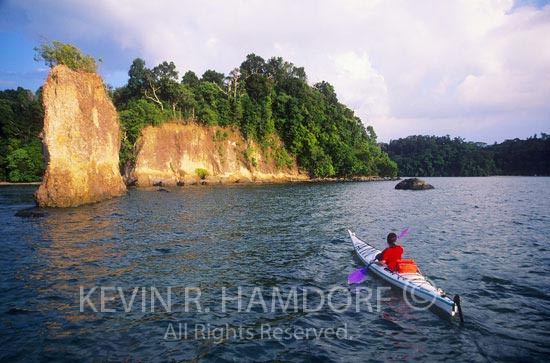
<point>476,69</point>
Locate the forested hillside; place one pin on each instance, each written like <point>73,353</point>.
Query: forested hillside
<point>443,156</point>
<point>21,120</point>
<point>260,98</point>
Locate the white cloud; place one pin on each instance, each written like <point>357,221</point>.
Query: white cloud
<point>366,89</point>
<point>516,70</point>
<point>459,67</point>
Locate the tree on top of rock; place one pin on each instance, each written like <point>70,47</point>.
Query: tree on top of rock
<point>54,53</point>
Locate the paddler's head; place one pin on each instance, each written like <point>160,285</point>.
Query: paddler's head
<point>392,239</point>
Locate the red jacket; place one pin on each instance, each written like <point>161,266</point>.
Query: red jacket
<point>391,255</point>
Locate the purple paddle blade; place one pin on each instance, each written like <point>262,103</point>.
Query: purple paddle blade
<point>357,276</point>
<point>404,232</point>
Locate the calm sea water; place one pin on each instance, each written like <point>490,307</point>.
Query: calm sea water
<point>487,239</point>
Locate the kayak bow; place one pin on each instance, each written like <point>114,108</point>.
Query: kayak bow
<point>413,283</point>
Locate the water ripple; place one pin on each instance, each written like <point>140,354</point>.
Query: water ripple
<point>485,238</point>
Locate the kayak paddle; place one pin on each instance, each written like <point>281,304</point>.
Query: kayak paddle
<point>404,232</point>
<point>359,275</point>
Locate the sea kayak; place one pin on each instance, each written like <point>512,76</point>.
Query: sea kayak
<point>413,283</point>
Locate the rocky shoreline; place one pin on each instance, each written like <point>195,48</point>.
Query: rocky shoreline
<point>362,179</point>
<point>81,142</point>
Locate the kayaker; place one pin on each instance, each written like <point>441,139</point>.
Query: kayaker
<point>391,254</point>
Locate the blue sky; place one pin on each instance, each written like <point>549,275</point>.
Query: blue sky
<point>474,69</point>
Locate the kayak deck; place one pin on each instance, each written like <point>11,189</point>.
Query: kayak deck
<point>413,283</point>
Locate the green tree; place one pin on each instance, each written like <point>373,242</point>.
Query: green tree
<point>137,81</point>
<point>161,83</point>
<point>25,163</point>
<point>55,52</point>
<point>214,77</point>
<point>190,79</point>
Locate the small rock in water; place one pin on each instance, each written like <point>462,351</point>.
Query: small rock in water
<point>413,184</point>
<point>32,212</point>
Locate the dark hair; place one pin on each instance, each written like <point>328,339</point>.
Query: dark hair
<point>392,238</point>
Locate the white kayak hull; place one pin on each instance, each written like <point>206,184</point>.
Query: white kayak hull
<point>413,283</point>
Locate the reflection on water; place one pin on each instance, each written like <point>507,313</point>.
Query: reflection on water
<point>288,237</point>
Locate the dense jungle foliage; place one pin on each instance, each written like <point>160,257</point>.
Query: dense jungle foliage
<point>21,120</point>
<point>443,156</point>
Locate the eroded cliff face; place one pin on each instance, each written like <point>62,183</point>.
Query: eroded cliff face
<point>173,154</point>
<point>80,140</point>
